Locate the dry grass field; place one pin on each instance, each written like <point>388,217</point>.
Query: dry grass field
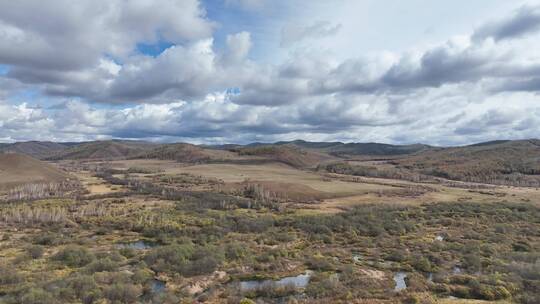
<point>334,192</point>
<point>17,169</point>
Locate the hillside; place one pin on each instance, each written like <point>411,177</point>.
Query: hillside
<point>17,169</point>
<point>355,149</point>
<point>500,162</point>
<point>182,152</point>
<point>113,149</point>
<point>36,149</point>
<point>288,154</point>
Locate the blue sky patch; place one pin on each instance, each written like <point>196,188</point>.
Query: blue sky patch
<point>155,49</point>
<point>4,69</point>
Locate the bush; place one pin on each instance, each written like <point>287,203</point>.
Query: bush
<point>421,264</point>
<point>397,255</point>
<point>185,259</point>
<point>100,265</point>
<point>319,262</point>
<point>324,285</point>
<point>74,256</point>
<point>522,246</point>
<point>50,239</point>
<point>85,288</point>
<point>123,293</point>
<point>128,252</point>
<point>142,276</point>
<point>236,251</point>
<point>37,296</point>
<point>9,275</point>
<point>35,251</point>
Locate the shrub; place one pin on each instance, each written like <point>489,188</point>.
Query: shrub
<point>421,264</point>
<point>141,276</point>
<point>324,285</point>
<point>185,259</point>
<point>521,246</point>
<point>74,256</point>
<point>50,239</point>
<point>37,296</point>
<point>35,251</point>
<point>100,265</point>
<point>397,255</point>
<point>128,252</point>
<point>319,262</point>
<point>9,275</point>
<point>85,288</point>
<point>123,293</point>
<point>236,251</point>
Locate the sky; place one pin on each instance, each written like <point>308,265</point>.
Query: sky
<point>239,71</point>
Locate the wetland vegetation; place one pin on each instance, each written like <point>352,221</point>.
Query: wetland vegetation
<point>158,231</point>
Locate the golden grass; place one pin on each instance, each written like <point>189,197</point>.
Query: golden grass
<point>338,192</point>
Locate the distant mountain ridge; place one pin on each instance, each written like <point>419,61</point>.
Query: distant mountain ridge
<point>514,162</point>
<point>340,148</point>
<point>344,149</point>
<point>36,149</point>
<point>134,149</point>
<point>111,149</point>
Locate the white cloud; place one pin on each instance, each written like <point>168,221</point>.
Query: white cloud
<point>471,87</point>
<point>293,33</point>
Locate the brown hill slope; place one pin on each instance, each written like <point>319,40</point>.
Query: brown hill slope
<point>500,162</point>
<point>183,152</point>
<point>17,169</point>
<point>112,149</point>
<point>291,155</point>
<point>355,149</point>
<point>36,149</point>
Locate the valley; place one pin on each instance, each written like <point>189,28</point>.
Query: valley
<point>282,223</point>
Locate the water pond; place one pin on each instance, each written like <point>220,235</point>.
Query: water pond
<point>158,286</point>
<point>399,278</point>
<point>299,281</point>
<point>138,245</point>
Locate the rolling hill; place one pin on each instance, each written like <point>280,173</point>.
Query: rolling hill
<point>354,149</point>
<point>339,149</point>
<point>36,149</point>
<point>500,162</point>
<point>104,150</point>
<point>182,152</point>
<point>17,169</point>
<point>288,154</point>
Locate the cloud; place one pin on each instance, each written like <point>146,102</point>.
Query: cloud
<point>524,21</point>
<point>292,33</point>
<point>238,47</point>
<point>64,35</point>
<point>215,87</point>
<point>76,49</point>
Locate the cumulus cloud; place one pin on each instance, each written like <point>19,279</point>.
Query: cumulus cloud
<point>238,47</point>
<point>202,88</point>
<point>525,21</point>
<point>294,33</point>
<point>64,35</point>
<point>450,119</point>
